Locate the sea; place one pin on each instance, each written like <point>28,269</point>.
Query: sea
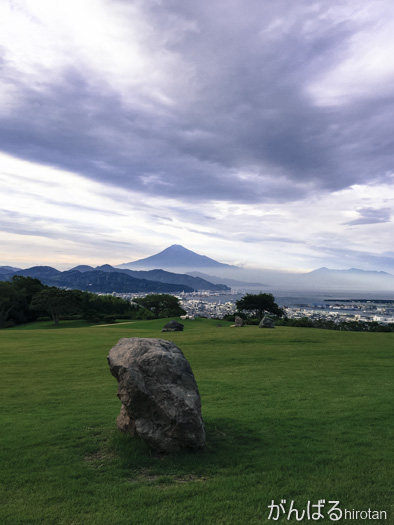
<point>303,298</point>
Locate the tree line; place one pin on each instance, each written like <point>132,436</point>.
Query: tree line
<point>252,307</point>
<point>25,299</point>
<point>329,324</point>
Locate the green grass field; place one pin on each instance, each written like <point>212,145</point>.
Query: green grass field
<point>290,413</point>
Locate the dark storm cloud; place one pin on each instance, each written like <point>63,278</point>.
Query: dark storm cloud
<point>243,127</point>
<point>371,216</point>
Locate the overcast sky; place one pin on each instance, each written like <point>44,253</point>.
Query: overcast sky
<point>256,132</point>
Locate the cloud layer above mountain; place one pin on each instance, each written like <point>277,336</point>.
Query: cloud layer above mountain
<point>262,127</point>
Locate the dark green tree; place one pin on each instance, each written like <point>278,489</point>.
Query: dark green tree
<point>161,305</point>
<point>57,302</point>
<point>12,302</point>
<point>259,304</point>
<point>97,307</point>
<point>29,287</point>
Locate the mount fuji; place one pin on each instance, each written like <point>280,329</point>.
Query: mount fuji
<point>176,256</point>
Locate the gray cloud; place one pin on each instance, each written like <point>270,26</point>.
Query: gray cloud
<point>371,216</point>
<point>51,228</point>
<point>242,128</point>
<point>161,219</point>
<point>268,238</point>
<point>215,235</point>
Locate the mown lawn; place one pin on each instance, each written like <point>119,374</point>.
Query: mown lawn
<point>291,413</point>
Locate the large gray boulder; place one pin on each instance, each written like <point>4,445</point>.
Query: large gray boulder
<point>159,394</point>
<point>238,321</point>
<point>267,322</point>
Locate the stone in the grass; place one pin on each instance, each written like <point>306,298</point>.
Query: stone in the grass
<point>173,326</point>
<point>267,322</point>
<point>159,394</point>
<point>239,321</point>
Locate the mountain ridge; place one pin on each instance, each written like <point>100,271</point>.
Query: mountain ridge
<point>163,276</point>
<point>107,279</point>
<point>324,269</point>
<point>99,281</point>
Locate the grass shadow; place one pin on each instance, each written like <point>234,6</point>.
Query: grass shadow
<point>229,447</point>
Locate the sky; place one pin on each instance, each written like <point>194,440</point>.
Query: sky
<point>257,133</point>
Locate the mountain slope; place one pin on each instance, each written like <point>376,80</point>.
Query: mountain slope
<point>99,281</point>
<point>197,283</point>
<point>119,282</point>
<point>5,270</point>
<point>39,272</point>
<point>83,268</point>
<point>176,256</point>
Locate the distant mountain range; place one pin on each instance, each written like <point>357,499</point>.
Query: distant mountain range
<point>176,256</point>
<point>107,279</point>
<point>351,271</point>
<point>161,276</point>
<point>352,278</point>
<point>154,276</point>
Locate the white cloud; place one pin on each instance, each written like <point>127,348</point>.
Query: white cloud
<point>62,218</point>
<point>364,67</point>
<point>113,45</point>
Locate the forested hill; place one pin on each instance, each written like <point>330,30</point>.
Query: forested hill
<point>97,281</point>
<point>107,279</point>
<point>107,282</point>
<point>162,276</point>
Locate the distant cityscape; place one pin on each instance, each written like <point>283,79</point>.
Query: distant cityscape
<point>217,305</point>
